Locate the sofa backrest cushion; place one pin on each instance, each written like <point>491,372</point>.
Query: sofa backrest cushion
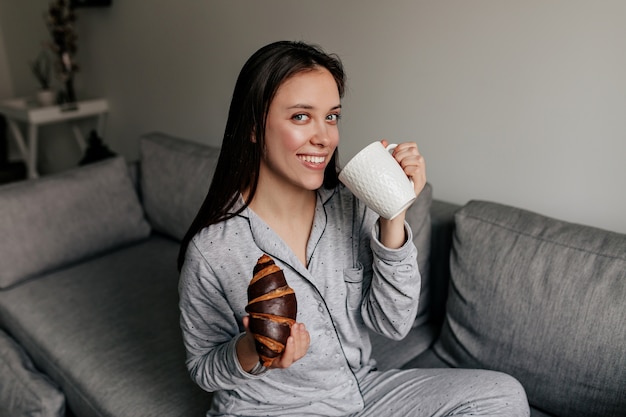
<point>175,177</point>
<point>543,300</point>
<point>60,219</point>
<point>24,391</point>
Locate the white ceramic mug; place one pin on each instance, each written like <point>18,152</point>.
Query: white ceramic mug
<point>377,179</point>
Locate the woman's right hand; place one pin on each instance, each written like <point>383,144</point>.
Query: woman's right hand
<point>295,348</point>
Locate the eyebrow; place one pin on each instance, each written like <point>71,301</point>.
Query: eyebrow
<point>309,107</point>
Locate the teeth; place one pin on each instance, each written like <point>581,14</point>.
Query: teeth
<point>312,159</point>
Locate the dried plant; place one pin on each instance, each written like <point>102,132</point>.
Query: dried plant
<point>60,20</point>
<point>42,69</point>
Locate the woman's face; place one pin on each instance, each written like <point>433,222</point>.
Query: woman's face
<point>301,131</point>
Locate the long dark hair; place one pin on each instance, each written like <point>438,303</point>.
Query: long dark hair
<point>238,165</point>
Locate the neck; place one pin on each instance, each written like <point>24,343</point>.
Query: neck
<point>289,212</point>
<point>286,203</point>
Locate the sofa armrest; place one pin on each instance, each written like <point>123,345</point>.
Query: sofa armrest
<point>442,224</point>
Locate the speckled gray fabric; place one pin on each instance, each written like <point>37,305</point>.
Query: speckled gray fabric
<point>24,391</point>
<point>53,221</point>
<point>175,178</point>
<point>543,300</point>
<point>351,283</point>
<point>106,331</point>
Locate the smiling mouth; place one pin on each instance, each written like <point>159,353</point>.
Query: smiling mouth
<point>312,159</point>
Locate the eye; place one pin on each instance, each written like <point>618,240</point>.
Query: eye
<point>300,117</point>
<point>334,117</point>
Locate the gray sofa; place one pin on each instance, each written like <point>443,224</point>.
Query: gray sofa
<point>88,294</point>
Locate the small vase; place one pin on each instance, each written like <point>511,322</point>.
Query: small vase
<point>46,97</point>
<point>68,97</point>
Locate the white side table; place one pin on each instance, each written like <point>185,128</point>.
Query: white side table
<point>20,110</point>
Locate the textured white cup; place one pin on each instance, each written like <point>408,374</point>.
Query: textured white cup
<point>375,177</point>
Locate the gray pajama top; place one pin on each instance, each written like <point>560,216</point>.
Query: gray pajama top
<point>338,298</point>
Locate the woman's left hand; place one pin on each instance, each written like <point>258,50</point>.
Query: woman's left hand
<point>392,233</point>
<point>412,162</point>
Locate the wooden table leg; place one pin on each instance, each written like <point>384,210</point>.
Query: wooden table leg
<point>19,139</point>
<point>28,151</point>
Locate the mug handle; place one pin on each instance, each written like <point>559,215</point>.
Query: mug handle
<point>391,147</point>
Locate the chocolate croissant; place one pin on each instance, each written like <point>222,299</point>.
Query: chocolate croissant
<point>272,308</point>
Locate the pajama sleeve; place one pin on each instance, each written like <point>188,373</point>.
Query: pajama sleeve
<point>210,329</point>
<point>391,299</point>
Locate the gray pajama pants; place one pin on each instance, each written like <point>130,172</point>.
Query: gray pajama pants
<point>442,392</point>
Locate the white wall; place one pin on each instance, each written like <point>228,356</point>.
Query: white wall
<point>522,103</point>
<point>22,31</point>
<point>6,86</point>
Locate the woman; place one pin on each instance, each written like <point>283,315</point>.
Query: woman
<point>275,191</point>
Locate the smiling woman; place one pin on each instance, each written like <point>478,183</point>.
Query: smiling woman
<point>243,146</point>
<point>301,135</point>
<point>275,193</point>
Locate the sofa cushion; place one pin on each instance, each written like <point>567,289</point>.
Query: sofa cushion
<point>114,345</point>
<point>542,300</point>
<point>442,228</point>
<point>24,391</point>
<point>60,219</point>
<point>175,178</point>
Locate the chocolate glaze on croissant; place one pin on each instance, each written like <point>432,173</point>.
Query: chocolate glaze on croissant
<point>272,307</point>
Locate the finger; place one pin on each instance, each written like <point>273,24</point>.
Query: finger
<point>295,348</point>
<point>405,150</point>
<point>418,176</point>
<point>302,341</point>
<point>405,153</point>
<point>289,355</point>
<point>415,168</point>
<point>413,162</point>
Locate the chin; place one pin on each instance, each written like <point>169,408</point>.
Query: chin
<point>313,185</point>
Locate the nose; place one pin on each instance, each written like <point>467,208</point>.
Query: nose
<point>321,135</point>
